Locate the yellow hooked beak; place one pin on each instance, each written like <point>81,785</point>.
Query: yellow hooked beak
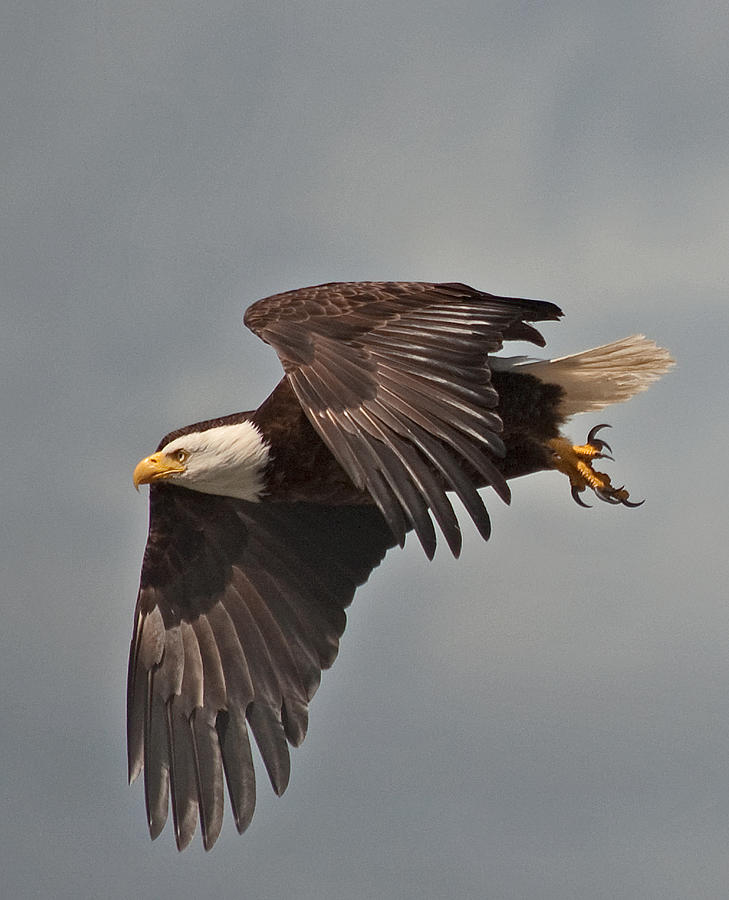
<point>156,467</point>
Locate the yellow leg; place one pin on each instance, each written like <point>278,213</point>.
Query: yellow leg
<point>575,461</point>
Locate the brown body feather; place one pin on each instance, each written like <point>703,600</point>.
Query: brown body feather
<point>303,468</point>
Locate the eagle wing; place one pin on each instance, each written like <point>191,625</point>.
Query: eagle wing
<point>394,377</point>
<point>240,607</point>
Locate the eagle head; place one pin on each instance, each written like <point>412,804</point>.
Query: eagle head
<point>229,460</point>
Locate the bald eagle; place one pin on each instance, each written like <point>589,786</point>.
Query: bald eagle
<point>262,524</point>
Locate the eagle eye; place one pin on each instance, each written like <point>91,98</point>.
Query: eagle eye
<point>181,455</point>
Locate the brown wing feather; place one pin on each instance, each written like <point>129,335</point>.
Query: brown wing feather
<point>394,376</point>
<point>240,608</point>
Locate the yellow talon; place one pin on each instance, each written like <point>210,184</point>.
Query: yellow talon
<point>575,461</point>
<point>586,451</point>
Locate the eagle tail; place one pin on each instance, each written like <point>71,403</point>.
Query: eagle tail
<point>603,375</point>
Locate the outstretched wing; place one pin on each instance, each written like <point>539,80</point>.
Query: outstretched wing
<point>240,607</point>
<point>394,377</point>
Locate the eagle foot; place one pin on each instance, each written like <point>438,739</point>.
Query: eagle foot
<point>575,461</point>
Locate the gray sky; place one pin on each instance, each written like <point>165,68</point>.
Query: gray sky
<point>547,718</point>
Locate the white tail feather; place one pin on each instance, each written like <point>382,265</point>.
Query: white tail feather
<point>604,375</point>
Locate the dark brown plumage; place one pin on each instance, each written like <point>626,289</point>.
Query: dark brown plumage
<point>388,404</point>
<point>394,377</point>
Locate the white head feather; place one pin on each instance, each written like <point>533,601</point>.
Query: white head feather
<point>229,460</point>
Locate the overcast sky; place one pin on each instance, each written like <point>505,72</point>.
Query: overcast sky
<point>547,718</point>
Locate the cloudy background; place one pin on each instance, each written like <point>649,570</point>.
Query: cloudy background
<point>548,718</point>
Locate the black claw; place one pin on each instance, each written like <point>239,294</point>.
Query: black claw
<point>594,430</point>
<point>576,497</point>
<point>596,442</point>
<point>607,497</point>
<point>630,504</point>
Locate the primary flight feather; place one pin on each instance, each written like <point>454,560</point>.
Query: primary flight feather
<point>263,523</point>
